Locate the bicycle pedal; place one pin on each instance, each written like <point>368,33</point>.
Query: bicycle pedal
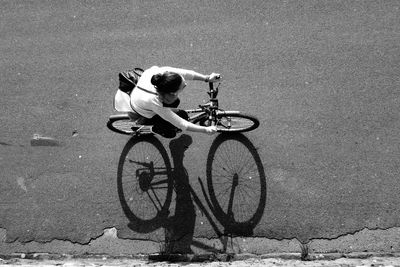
<point>143,129</point>
<point>135,128</point>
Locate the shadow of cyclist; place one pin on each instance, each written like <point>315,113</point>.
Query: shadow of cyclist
<point>179,230</point>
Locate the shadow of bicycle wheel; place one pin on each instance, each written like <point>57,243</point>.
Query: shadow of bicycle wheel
<point>236,184</point>
<point>145,183</point>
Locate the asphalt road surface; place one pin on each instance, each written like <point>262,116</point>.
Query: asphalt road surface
<point>321,76</point>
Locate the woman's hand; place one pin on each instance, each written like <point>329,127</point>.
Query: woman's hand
<point>214,77</point>
<point>211,130</point>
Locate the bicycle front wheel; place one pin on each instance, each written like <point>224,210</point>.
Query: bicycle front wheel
<point>121,124</point>
<point>236,122</point>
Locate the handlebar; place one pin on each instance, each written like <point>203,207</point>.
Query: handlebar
<point>213,92</point>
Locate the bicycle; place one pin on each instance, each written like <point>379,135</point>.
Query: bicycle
<point>208,114</point>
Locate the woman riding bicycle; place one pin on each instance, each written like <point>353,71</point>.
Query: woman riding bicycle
<point>154,100</point>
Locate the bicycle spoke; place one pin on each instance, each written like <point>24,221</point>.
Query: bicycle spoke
<point>165,181</point>
<point>223,163</point>
<point>157,199</point>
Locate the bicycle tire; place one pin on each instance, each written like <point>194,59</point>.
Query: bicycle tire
<point>236,122</point>
<point>145,197</point>
<point>121,124</point>
<point>236,183</point>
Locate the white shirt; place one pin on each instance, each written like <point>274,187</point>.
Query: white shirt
<point>149,104</point>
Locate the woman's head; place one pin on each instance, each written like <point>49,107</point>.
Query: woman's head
<point>167,82</point>
<point>168,86</point>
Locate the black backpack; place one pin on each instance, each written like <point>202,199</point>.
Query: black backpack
<point>128,79</point>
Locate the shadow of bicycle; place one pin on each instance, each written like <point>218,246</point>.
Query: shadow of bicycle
<point>236,186</point>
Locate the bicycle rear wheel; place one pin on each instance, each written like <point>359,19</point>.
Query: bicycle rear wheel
<point>236,122</point>
<point>122,124</point>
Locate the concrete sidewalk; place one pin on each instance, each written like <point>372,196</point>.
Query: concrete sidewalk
<point>331,260</point>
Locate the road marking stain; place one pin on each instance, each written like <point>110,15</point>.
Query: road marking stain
<point>21,183</point>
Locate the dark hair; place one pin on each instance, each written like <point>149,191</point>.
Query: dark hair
<point>167,82</point>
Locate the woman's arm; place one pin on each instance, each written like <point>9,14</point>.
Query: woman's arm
<point>170,116</point>
<point>201,129</point>
<point>193,75</point>
<point>200,77</point>
<point>213,77</point>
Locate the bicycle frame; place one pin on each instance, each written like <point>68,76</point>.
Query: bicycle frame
<point>206,111</point>
<point>209,111</point>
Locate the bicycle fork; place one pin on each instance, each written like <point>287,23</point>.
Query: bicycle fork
<point>213,111</point>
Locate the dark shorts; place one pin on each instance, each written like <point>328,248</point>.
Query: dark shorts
<point>163,127</point>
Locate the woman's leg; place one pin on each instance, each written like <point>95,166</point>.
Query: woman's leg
<point>165,128</point>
